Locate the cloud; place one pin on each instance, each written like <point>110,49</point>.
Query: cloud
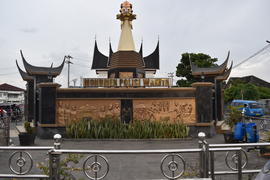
<point>29,30</point>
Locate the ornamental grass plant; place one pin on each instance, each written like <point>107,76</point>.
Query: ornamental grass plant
<point>111,127</point>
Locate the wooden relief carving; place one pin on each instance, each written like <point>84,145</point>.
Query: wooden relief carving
<point>74,110</point>
<point>171,110</point>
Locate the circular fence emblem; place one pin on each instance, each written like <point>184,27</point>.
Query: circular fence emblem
<point>172,166</point>
<point>20,162</point>
<point>232,160</point>
<point>96,167</point>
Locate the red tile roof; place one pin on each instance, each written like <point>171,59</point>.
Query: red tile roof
<point>8,87</point>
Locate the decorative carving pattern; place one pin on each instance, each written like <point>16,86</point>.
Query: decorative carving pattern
<point>73,110</point>
<point>232,160</point>
<point>173,166</point>
<point>20,162</point>
<point>96,167</point>
<point>172,110</point>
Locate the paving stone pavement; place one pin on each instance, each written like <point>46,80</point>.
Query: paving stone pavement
<point>134,167</point>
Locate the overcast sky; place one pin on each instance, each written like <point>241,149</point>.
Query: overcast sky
<point>48,30</point>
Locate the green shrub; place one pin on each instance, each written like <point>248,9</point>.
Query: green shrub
<point>235,115</point>
<point>28,128</point>
<point>67,166</point>
<point>111,127</point>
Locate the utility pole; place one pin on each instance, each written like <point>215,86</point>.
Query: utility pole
<point>81,81</point>
<point>68,57</point>
<point>171,75</point>
<point>74,82</point>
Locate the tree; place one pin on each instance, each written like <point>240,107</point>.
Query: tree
<point>245,91</point>
<point>184,70</point>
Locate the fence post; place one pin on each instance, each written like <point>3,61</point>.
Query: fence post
<point>201,137</point>
<point>239,164</point>
<point>206,167</point>
<point>54,157</point>
<point>212,164</point>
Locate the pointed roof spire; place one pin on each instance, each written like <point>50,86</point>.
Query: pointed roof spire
<point>23,74</point>
<point>110,53</point>
<point>110,49</point>
<point>152,61</point>
<point>141,48</point>
<point>226,74</point>
<point>216,70</point>
<point>99,60</point>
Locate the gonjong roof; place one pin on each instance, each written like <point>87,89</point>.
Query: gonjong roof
<point>23,74</point>
<point>125,59</point>
<point>212,71</point>
<point>35,70</point>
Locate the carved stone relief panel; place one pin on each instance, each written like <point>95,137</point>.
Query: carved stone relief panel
<point>171,110</point>
<point>75,109</point>
<point>125,74</point>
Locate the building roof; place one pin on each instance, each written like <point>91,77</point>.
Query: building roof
<point>152,61</point>
<point>212,71</point>
<point>226,74</point>
<point>249,79</point>
<point>23,74</point>
<point>35,70</point>
<point>125,59</point>
<point>100,61</point>
<point>8,87</point>
<point>110,55</point>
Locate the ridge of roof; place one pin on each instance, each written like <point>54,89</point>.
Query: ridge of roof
<point>8,87</point>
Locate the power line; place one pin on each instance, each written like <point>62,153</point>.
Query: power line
<point>253,55</point>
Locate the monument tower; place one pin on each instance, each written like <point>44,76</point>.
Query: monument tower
<point>126,62</point>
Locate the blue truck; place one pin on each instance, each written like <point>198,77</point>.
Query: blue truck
<point>251,108</point>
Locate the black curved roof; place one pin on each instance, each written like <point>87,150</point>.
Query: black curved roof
<point>100,61</point>
<point>216,70</point>
<point>24,75</point>
<point>141,50</point>
<point>226,74</point>
<point>152,61</point>
<point>35,70</point>
<point>110,55</point>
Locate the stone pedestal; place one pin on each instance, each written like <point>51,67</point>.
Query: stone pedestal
<point>204,103</point>
<point>29,102</point>
<point>47,102</point>
<point>204,109</point>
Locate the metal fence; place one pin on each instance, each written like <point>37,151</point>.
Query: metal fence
<point>96,165</point>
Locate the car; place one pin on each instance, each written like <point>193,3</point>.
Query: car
<point>265,172</point>
<point>250,108</point>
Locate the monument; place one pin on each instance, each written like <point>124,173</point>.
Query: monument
<point>128,91</point>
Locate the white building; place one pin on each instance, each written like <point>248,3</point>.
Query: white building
<point>11,94</point>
